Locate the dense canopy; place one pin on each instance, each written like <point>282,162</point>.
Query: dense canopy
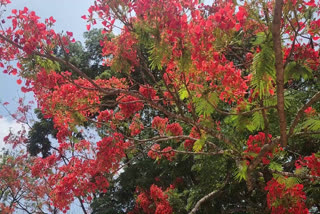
<point>174,106</point>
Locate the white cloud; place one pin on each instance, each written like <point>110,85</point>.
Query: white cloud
<point>5,127</point>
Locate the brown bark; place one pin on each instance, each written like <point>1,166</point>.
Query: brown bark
<point>276,35</point>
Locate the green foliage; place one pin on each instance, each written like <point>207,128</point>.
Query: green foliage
<point>296,71</point>
<point>31,66</point>
<point>289,182</point>
<point>156,54</point>
<point>241,172</point>
<point>257,122</point>
<point>312,124</point>
<point>275,166</point>
<point>263,64</point>
<point>205,104</point>
<point>198,145</point>
<point>183,93</point>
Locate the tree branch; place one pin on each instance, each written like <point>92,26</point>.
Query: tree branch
<point>207,197</point>
<point>276,35</point>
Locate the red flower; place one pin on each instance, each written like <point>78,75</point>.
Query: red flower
<point>19,81</point>
<point>148,92</point>
<point>159,124</point>
<point>254,143</point>
<point>129,105</point>
<point>310,111</point>
<point>282,199</point>
<point>174,129</point>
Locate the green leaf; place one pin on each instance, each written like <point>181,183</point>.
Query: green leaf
<point>202,106</point>
<point>291,181</point>
<point>198,145</point>
<point>275,166</point>
<point>260,38</point>
<point>297,71</point>
<point>241,173</point>
<point>263,62</point>
<point>288,100</point>
<point>263,68</point>
<point>257,120</point>
<point>311,124</point>
<point>183,93</point>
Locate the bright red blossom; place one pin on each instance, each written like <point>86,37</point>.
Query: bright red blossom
<point>174,129</point>
<point>282,199</point>
<point>129,105</point>
<point>255,142</point>
<point>310,111</point>
<point>154,201</point>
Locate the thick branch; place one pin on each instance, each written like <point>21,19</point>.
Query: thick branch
<point>276,35</point>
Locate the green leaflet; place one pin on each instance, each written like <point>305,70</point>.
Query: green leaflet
<point>30,66</point>
<point>204,106</point>
<point>257,121</point>
<point>251,123</point>
<point>156,55</point>
<point>289,182</point>
<point>241,173</point>
<point>297,71</point>
<point>260,38</point>
<point>198,145</point>
<point>275,166</point>
<point>183,93</point>
<point>311,124</point>
<point>263,64</point>
<point>272,101</point>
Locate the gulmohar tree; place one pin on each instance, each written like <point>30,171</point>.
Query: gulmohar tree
<point>208,108</point>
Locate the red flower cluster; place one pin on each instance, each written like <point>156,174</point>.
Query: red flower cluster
<point>167,152</point>
<point>254,143</point>
<point>312,162</point>
<point>148,92</point>
<point>310,111</point>
<point>282,199</point>
<point>129,105</point>
<point>162,126</point>
<point>136,126</point>
<point>174,129</point>
<point>154,201</point>
<point>304,53</point>
<point>159,124</point>
<point>105,116</point>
